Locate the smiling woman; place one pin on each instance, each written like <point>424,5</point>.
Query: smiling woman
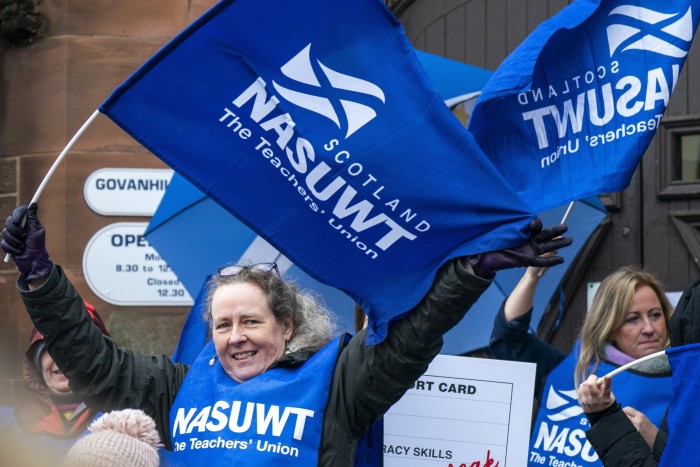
<point>274,386</point>
<point>54,378</point>
<point>247,336</point>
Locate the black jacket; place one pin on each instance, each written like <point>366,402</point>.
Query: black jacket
<point>618,443</point>
<point>367,380</point>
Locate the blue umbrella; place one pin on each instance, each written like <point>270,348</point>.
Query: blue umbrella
<point>451,78</point>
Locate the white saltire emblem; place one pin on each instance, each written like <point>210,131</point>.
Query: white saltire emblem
<point>644,29</point>
<point>565,401</point>
<point>357,115</point>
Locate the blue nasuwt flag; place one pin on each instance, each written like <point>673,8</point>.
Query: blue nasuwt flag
<point>571,111</point>
<point>314,123</point>
<point>683,422</point>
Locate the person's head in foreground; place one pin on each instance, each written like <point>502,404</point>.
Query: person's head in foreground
<point>123,438</point>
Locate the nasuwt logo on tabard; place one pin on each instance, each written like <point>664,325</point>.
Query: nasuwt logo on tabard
<point>565,401</point>
<point>562,440</point>
<point>335,85</point>
<point>640,28</point>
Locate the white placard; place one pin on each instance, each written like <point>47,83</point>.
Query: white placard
<point>126,192</point>
<point>460,412</point>
<point>122,268</point>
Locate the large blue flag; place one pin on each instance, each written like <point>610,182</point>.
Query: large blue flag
<point>683,421</point>
<point>571,111</point>
<point>313,122</point>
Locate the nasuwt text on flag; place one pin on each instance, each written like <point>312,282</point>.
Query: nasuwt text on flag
<point>571,111</point>
<point>313,122</point>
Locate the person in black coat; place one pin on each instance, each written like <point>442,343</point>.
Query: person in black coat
<point>257,320</point>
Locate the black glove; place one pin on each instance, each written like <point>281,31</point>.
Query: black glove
<point>528,254</point>
<point>27,243</point>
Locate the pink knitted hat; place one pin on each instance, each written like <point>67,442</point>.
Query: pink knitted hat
<point>123,438</point>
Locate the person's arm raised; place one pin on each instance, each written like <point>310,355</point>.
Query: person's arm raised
<point>374,377</point>
<point>522,297</point>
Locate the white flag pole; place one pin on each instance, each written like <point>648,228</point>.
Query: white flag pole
<point>57,162</point>
<point>630,365</point>
<point>568,212</point>
<point>540,273</point>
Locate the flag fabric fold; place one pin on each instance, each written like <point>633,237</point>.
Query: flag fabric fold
<point>683,423</point>
<point>571,111</point>
<point>314,123</point>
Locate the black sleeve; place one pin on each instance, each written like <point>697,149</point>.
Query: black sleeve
<point>513,341</point>
<point>618,443</point>
<point>368,380</point>
<point>660,441</point>
<point>105,376</point>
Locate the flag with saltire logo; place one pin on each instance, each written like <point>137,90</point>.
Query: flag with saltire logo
<point>314,123</point>
<point>571,111</point>
<point>683,422</point>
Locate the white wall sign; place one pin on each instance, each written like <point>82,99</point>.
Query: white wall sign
<point>122,268</point>
<point>463,412</point>
<point>126,192</point>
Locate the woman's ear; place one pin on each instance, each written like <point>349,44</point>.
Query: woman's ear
<point>288,327</point>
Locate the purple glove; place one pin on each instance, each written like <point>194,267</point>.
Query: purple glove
<point>27,244</point>
<point>528,254</point>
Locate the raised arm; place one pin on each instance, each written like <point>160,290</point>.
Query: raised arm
<point>24,237</point>
<point>511,338</point>
<point>372,378</point>
<point>103,375</point>
<point>522,297</point>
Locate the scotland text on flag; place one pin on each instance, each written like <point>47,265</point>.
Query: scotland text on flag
<point>313,122</point>
<point>571,111</point>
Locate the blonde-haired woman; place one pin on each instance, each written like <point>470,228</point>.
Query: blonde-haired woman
<point>628,320</point>
<point>616,321</point>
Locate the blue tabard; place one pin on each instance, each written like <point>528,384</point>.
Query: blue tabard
<point>369,452</point>
<point>275,418</point>
<point>560,429</point>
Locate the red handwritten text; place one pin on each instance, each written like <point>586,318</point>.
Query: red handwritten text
<point>489,462</point>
